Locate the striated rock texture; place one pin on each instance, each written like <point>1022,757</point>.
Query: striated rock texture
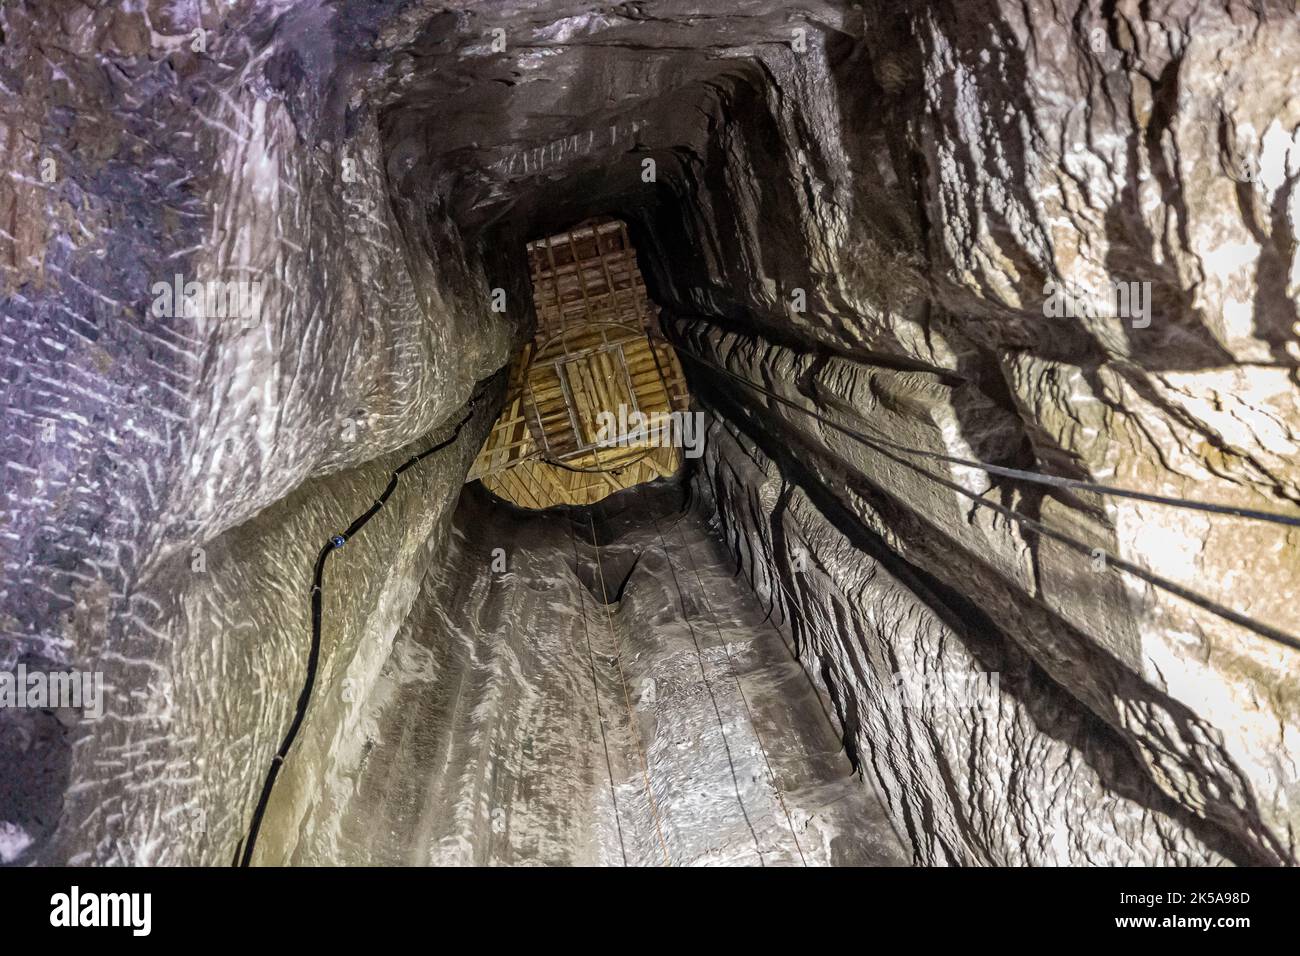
<point>139,445</point>
<point>524,719</point>
<point>1007,148</point>
<point>901,215</point>
<point>1023,775</point>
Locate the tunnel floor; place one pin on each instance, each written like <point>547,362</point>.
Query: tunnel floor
<point>523,720</point>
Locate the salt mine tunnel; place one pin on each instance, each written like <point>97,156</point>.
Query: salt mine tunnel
<point>651,433</point>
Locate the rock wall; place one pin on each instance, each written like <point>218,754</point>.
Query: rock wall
<point>137,432</point>
<point>592,687</point>
<point>888,258</point>
<point>880,211</point>
<point>981,755</point>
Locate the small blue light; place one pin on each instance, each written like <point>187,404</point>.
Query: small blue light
<point>338,540</point>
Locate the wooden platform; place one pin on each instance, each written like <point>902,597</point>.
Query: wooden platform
<point>593,353</point>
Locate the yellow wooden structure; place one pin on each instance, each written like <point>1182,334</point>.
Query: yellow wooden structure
<point>595,351</point>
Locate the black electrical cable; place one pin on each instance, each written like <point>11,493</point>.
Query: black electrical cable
<point>1264,630</point>
<point>313,656</point>
<point>1016,473</point>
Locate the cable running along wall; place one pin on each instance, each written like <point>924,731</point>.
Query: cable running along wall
<point>313,655</point>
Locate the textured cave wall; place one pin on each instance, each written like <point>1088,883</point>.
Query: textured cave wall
<point>215,708</point>
<point>132,439</point>
<point>988,154</point>
<point>370,588</point>
<point>919,173</point>
<point>523,720</point>
<point>918,170</point>
<point>1025,776</point>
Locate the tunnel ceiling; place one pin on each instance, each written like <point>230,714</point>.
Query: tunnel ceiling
<point>555,110</point>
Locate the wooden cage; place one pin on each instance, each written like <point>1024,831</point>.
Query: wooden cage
<point>594,365</point>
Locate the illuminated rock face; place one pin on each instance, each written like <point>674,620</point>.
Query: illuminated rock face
<point>914,218</point>
<point>506,729</point>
